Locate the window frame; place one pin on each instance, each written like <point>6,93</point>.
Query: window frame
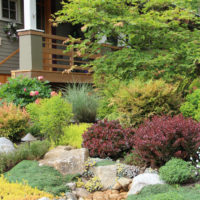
<point>18,12</point>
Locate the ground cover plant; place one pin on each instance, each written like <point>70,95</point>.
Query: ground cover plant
<point>178,171</point>
<point>42,177</point>
<point>108,139</point>
<point>158,140</point>
<point>35,151</point>
<point>167,192</point>
<point>84,102</point>
<point>22,91</point>
<point>13,121</point>
<point>50,116</point>
<point>73,135</point>
<point>16,191</point>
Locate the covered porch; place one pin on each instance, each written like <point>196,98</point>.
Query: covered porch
<point>41,46</point>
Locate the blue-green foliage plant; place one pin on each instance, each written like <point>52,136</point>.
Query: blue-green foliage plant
<point>22,90</point>
<point>84,102</point>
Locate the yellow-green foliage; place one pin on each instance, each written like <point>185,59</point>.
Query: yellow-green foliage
<point>139,101</point>
<point>73,135</point>
<point>94,184</point>
<point>50,116</point>
<point>13,121</point>
<point>15,191</point>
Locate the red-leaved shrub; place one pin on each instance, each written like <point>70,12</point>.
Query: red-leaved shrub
<point>158,140</point>
<point>108,139</point>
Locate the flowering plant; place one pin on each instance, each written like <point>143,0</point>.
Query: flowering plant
<point>11,31</point>
<point>22,91</point>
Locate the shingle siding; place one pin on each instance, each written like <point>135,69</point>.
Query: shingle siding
<point>6,48</point>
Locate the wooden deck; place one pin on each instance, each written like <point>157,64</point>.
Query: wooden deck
<point>56,77</point>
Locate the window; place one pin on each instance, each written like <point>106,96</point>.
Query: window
<point>9,9</point>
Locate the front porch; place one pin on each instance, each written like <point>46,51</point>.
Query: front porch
<point>42,53</point>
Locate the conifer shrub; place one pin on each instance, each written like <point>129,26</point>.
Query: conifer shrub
<point>158,140</point>
<point>139,100</point>
<point>191,108</point>
<point>13,121</point>
<point>108,139</point>
<point>177,171</point>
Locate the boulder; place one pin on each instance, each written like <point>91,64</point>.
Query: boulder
<point>70,196</point>
<point>6,146</point>
<point>72,186</point>
<point>143,180</point>
<point>81,192</point>
<point>66,161</point>
<point>107,175</point>
<point>44,198</point>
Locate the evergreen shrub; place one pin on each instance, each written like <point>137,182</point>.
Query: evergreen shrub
<point>139,100</point>
<point>13,121</point>
<point>177,171</point>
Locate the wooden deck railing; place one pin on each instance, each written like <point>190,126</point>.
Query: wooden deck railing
<point>55,59</point>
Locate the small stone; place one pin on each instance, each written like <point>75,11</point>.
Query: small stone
<point>115,192</point>
<point>117,186</point>
<point>98,195</point>
<point>81,192</point>
<point>124,182</point>
<point>68,148</point>
<point>44,198</point>
<point>70,196</point>
<point>72,186</point>
<point>113,196</point>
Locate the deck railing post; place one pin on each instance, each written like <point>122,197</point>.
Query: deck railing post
<point>30,45</point>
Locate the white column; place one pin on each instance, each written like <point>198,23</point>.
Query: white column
<point>30,15</point>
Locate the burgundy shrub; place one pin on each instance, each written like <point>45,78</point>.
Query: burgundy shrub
<point>158,140</point>
<point>108,139</point>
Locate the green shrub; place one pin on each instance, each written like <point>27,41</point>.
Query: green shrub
<point>139,101</point>
<point>13,121</point>
<point>191,108</point>
<point>24,152</point>
<point>50,116</point>
<point>43,178</point>
<point>177,171</point>
<point>73,135</point>
<point>22,91</point>
<point>84,102</point>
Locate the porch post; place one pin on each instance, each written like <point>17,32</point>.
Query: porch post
<point>30,40</point>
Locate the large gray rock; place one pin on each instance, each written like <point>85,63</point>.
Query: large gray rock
<point>6,146</point>
<point>66,161</point>
<point>106,174</point>
<point>81,192</point>
<point>143,180</point>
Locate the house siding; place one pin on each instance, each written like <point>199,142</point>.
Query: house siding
<point>6,48</point>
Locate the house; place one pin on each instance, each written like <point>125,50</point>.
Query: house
<point>39,48</point>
